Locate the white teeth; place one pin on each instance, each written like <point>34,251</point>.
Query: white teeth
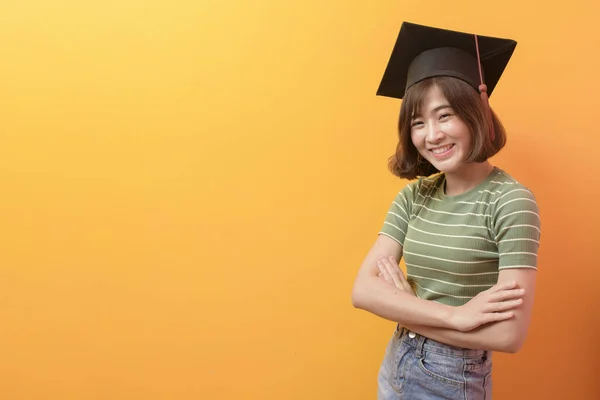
<point>441,149</point>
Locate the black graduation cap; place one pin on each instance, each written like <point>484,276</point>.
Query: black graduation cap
<point>423,52</point>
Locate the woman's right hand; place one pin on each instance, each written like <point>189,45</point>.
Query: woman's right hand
<point>491,305</point>
<point>390,271</point>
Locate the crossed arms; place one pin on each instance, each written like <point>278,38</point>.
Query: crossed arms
<point>497,319</point>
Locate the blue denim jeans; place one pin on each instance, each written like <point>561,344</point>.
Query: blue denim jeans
<point>418,368</point>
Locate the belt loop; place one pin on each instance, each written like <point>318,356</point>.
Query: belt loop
<point>399,332</point>
<point>420,345</point>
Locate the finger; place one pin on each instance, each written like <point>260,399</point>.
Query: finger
<point>507,295</point>
<point>503,286</point>
<point>380,276</point>
<point>400,274</point>
<point>383,272</point>
<point>392,271</point>
<point>401,277</point>
<point>497,317</point>
<point>386,273</point>
<point>504,305</point>
<point>397,268</point>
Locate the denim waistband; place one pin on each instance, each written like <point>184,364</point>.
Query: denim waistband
<point>422,343</point>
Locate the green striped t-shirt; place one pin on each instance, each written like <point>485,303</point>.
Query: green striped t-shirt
<point>455,246</point>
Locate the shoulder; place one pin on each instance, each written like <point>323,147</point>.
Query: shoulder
<point>515,210</point>
<point>510,193</point>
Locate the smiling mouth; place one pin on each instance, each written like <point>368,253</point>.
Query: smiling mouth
<point>441,150</point>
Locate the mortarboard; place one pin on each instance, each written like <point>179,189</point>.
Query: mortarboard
<point>423,52</point>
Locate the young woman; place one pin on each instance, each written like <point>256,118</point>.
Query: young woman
<point>468,231</point>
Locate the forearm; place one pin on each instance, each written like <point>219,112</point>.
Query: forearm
<point>505,336</point>
<point>498,336</point>
<point>378,297</point>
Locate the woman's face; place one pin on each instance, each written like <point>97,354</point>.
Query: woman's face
<point>440,136</point>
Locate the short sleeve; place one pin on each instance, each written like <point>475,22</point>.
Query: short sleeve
<point>396,220</point>
<point>516,225</point>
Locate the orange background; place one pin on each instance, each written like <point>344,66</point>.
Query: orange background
<point>188,189</point>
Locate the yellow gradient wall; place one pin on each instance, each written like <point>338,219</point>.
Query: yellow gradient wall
<point>189,187</point>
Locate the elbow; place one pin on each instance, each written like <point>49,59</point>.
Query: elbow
<point>511,348</point>
<point>356,303</point>
<point>358,297</point>
<point>512,343</point>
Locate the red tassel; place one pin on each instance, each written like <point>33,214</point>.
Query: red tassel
<point>483,92</point>
<point>488,110</point>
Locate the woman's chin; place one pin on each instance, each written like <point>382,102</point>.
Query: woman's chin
<point>446,167</point>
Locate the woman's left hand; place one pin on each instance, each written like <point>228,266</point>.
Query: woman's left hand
<point>390,271</point>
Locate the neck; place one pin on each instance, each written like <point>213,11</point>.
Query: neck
<point>467,177</point>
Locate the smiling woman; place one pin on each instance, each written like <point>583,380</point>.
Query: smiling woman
<point>446,98</point>
<point>469,232</point>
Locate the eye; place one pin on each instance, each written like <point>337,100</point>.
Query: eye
<point>445,116</point>
<point>415,124</point>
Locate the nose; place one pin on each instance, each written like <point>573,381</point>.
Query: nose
<point>434,133</point>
